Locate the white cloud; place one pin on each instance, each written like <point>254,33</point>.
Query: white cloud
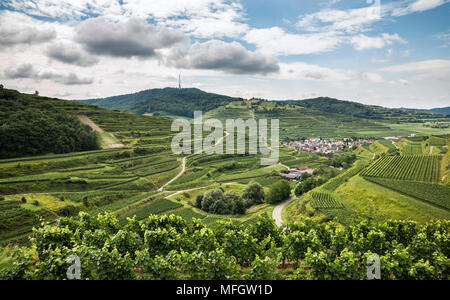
<point>305,71</point>
<point>444,37</point>
<point>369,76</point>
<point>403,82</point>
<point>362,42</point>
<point>420,66</point>
<point>434,70</point>
<point>200,18</point>
<point>351,21</point>
<point>410,7</point>
<point>276,41</point>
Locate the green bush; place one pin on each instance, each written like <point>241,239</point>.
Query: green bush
<point>168,247</point>
<point>279,192</point>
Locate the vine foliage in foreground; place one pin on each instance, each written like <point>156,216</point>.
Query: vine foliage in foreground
<point>168,247</point>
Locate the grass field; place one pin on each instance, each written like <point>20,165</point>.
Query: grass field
<point>373,201</point>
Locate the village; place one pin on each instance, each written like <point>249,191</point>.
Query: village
<point>326,146</point>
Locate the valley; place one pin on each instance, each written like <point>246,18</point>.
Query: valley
<point>133,174</point>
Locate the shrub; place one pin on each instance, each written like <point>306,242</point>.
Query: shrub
<point>198,201</point>
<point>279,191</point>
<point>24,200</point>
<point>253,193</point>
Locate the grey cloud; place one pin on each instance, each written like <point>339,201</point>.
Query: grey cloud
<point>69,54</point>
<point>228,57</point>
<point>22,71</point>
<point>134,38</point>
<point>19,35</point>
<point>28,71</point>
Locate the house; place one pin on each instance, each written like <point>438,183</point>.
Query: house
<point>295,174</point>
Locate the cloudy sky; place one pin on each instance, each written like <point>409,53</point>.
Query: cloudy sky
<point>390,53</point>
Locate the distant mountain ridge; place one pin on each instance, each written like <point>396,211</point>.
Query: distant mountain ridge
<point>438,110</point>
<point>183,102</point>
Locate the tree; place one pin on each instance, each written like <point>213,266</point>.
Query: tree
<point>305,176</point>
<point>198,201</point>
<point>254,193</point>
<point>24,200</point>
<point>278,192</point>
<point>238,207</point>
<point>210,197</point>
<point>234,203</point>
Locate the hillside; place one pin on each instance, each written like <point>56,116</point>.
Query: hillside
<point>298,122</point>
<point>180,102</point>
<point>171,101</point>
<point>371,112</point>
<point>441,110</point>
<point>31,125</point>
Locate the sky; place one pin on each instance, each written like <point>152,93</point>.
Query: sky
<point>380,52</point>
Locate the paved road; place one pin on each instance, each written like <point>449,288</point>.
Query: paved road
<point>276,215</point>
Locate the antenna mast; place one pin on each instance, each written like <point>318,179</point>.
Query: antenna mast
<point>179,81</point>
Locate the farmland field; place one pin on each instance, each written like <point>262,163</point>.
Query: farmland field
<point>434,193</point>
<point>419,168</point>
<point>369,200</point>
<point>325,200</point>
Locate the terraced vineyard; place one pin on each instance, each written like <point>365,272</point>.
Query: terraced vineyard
<point>436,194</point>
<point>421,168</point>
<point>324,200</point>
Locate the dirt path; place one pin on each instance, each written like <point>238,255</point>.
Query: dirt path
<point>176,177</point>
<point>85,120</point>
<point>276,215</point>
<point>431,150</point>
<point>108,140</point>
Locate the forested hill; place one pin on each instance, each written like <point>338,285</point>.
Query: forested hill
<point>371,112</point>
<point>32,125</point>
<point>440,110</point>
<point>183,102</point>
<point>180,102</point>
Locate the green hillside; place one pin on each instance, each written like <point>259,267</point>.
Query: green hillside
<point>179,102</point>
<point>371,112</point>
<point>31,125</point>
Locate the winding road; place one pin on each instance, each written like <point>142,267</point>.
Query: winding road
<point>276,215</point>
